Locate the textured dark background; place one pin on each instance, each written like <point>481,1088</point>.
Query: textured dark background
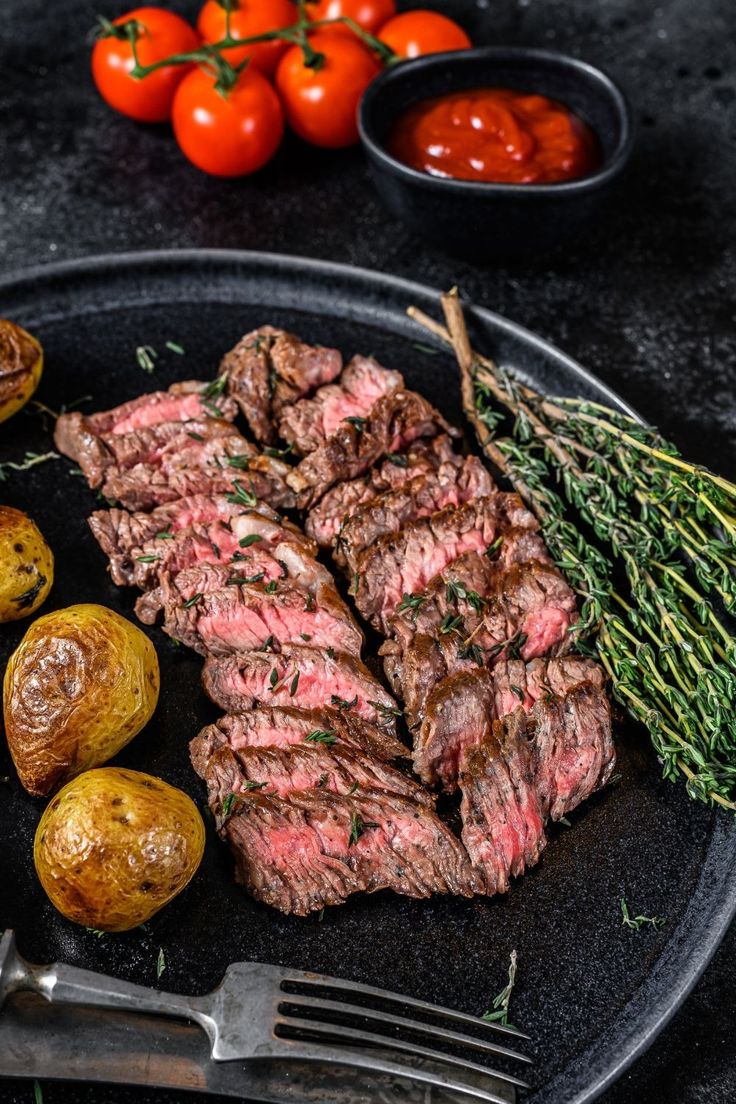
<point>645,299</point>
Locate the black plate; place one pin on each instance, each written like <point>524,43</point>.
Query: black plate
<point>591,993</point>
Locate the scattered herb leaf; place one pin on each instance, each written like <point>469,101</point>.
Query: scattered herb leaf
<point>639,921</point>
<point>193,600</point>
<point>324,736</point>
<point>160,962</point>
<point>499,1012</point>
<point>145,355</point>
<point>252,538</point>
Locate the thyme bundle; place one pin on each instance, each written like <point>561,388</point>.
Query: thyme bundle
<point>646,539</point>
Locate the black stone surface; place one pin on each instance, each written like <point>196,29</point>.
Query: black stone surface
<point>645,299</point>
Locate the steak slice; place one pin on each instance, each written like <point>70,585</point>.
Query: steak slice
<point>147,445</point>
<point>313,849</point>
<point>241,616</point>
<point>574,754</point>
<point>219,466</point>
<point>424,455</point>
<point>285,727</point>
<point>517,683</point>
<point>181,403</point>
<point>404,563</point>
<point>503,826</point>
<point>391,424</point>
<point>122,536</point>
<point>450,485</point>
<point>268,369</point>
<point>236,683</point>
<point>459,714</point>
<point>308,423</point>
<point>262,563</point>
<point>305,766</point>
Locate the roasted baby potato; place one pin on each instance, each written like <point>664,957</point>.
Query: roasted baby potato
<point>81,684</point>
<point>114,846</point>
<point>26,565</point>
<point>21,365</point>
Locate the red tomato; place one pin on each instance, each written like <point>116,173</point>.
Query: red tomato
<point>229,134</point>
<point>321,103</point>
<point>368,14</point>
<point>248,18</point>
<point>149,99</point>
<point>419,32</point>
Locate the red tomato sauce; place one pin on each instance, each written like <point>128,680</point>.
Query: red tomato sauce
<point>495,135</point>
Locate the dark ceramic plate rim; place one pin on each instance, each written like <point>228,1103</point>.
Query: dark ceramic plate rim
<point>712,906</point>
<point>611,168</point>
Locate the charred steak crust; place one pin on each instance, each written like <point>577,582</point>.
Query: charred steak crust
<point>314,849</point>
<point>269,369</point>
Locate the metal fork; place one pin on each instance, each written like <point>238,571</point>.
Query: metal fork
<point>272,1012</point>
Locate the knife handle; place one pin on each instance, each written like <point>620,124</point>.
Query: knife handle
<point>62,984</point>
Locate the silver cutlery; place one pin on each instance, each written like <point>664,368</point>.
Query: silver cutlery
<point>276,1013</point>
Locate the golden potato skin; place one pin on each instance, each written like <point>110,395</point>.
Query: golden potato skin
<point>114,846</point>
<point>81,684</point>
<point>21,366</point>
<point>26,565</point>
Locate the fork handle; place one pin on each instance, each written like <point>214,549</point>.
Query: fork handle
<point>62,984</point>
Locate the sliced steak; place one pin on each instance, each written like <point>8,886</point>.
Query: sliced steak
<point>240,682</point>
<point>459,714</point>
<point>503,824</point>
<point>308,423</point>
<point>517,683</point>
<point>220,466</point>
<point>113,452</point>
<point>313,849</point>
<point>574,753</point>
<point>305,766</point>
<point>539,608</point>
<point>268,369</point>
<point>285,727</point>
<point>450,485</point>
<point>122,536</point>
<point>181,403</point>
<point>425,455</point>
<point>391,424</point>
<point>240,617</point>
<point>261,562</point>
<point>404,563</point>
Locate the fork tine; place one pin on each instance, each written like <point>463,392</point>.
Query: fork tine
<point>332,1032</point>
<point>301,1050</point>
<point>340,985</point>
<point>427,1030</point>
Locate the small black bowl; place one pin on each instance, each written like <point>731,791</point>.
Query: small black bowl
<point>484,220</point>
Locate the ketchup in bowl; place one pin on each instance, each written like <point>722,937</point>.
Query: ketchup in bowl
<point>495,135</point>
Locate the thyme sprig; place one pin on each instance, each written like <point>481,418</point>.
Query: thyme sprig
<point>646,539</point>
<point>499,1011</point>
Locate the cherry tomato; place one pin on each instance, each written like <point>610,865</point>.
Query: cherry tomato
<point>321,103</point>
<point>368,14</point>
<point>248,18</point>
<point>160,34</point>
<point>229,134</point>
<point>419,32</point>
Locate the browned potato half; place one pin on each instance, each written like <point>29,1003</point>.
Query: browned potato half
<point>81,684</point>
<point>26,565</point>
<point>21,365</point>
<point>114,846</point>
